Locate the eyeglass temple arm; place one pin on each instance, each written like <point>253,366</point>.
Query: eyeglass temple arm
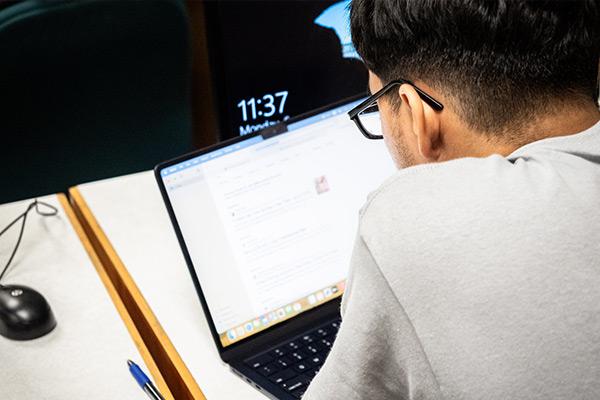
<point>433,103</point>
<point>436,105</point>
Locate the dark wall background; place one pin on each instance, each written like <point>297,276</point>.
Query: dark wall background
<point>90,90</point>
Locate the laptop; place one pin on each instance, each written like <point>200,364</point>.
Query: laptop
<point>267,224</point>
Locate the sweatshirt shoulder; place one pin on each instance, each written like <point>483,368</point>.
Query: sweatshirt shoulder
<point>426,194</point>
<point>439,178</point>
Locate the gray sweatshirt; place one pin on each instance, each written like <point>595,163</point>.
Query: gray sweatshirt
<point>477,278</point>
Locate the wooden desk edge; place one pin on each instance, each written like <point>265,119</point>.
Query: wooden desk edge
<point>131,328</point>
<point>167,366</point>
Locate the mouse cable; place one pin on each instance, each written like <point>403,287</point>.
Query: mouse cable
<point>51,210</point>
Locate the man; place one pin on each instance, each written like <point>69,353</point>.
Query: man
<point>476,271</point>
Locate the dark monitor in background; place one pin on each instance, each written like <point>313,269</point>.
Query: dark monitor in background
<point>272,60</point>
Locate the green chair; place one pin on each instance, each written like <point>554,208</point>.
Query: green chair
<point>90,89</point>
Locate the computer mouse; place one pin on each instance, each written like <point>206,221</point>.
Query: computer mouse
<point>24,313</point>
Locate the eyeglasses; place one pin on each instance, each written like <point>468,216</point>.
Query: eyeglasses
<point>366,114</point>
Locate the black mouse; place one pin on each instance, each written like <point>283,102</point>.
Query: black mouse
<point>24,313</point>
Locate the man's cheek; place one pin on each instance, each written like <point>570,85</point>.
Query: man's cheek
<point>390,137</point>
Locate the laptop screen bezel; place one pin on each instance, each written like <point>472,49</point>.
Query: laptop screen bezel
<point>228,352</point>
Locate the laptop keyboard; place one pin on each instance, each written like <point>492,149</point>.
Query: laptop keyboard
<point>294,364</point>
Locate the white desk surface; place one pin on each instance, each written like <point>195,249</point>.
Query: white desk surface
<point>84,357</point>
<point>131,213</point>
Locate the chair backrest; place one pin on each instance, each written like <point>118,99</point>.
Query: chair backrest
<point>90,89</point>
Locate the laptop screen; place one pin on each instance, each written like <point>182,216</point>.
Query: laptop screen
<point>269,222</point>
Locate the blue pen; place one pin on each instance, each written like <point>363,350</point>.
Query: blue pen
<point>144,382</point>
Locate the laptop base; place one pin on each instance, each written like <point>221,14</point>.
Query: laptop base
<point>285,370</point>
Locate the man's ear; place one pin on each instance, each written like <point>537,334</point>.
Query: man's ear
<point>425,123</point>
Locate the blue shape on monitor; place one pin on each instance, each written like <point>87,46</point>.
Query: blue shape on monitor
<point>337,17</point>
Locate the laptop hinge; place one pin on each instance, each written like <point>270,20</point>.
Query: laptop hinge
<point>284,331</point>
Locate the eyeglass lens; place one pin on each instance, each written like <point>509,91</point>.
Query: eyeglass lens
<point>370,120</point>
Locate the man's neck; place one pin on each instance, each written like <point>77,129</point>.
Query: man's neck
<point>568,121</point>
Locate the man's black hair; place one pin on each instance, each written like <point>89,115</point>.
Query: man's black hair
<point>500,61</point>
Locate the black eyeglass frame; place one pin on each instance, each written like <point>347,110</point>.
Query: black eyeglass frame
<point>354,113</point>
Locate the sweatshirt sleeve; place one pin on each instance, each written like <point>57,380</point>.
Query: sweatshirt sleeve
<point>376,354</point>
